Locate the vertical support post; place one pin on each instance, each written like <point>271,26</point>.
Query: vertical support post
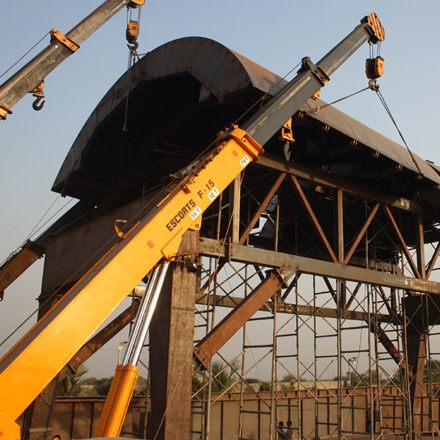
<point>171,345</point>
<point>274,382</point>
<point>420,237</point>
<point>339,358</point>
<point>340,216</point>
<point>340,244</point>
<point>235,208</point>
<point>416,342</point>
<point>416,334</point>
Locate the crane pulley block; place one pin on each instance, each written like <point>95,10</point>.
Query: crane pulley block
<point>135,3</point>
<point>374,27</point>
<point>132,32</point>
<point>374,67</point>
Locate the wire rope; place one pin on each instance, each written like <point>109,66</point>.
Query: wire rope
<point>27,53</point>
<point>127,226</point>
<point>317,109</point>
<point>34,229</point>
<point>133,57</point>
<point>387,109</point>
<point>54,215</point>
<point>266,95</point>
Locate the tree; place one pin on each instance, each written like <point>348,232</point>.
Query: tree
<point>288,378</point>
<point>102,386</point>
<point>434,368</point>
<point>222,376</point>
<point>141,388</point>
<point>252,380</point>
<point>265,386</point>
<point>73,385</point>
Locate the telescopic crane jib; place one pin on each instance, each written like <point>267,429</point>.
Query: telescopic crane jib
<point>30,78</point>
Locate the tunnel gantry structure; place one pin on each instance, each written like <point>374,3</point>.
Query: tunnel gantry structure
<point>318,262</point>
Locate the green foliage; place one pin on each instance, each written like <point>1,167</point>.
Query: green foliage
<point>288,378</point>
<point>252,380</point>
<point>74,385</point>
<point>265,386</point>
<point>223,376</point>
<point>432,367</point>
<point>397,380</point>
<point>141,388</point>
<point>102,386</point>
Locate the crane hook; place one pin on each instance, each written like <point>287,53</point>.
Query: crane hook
<point>372,84</point>
<point>39,95</point>
<point>133,47</point>
<point>36,104</point>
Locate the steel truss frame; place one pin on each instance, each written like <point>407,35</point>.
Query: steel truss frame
<point>326,279</point>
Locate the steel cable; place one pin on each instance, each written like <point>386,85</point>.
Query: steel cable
<point>317,109</point>
<point>387,109</point>
<point>30,50</point>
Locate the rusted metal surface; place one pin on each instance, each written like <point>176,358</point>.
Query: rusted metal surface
<point>343,123</point>
<point>261,208</point>
<point>402,242</point>
<point>78,417</point>
<point>313,218</point>
<point>319,177</point>
<point>224,331</point>
<point>215,248</point>
<point>283,307</point>
<point>180,95</point>
<point>218,72</point>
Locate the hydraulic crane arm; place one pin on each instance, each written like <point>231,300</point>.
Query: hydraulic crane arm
<point>31,364</point>
<point>61,47</point>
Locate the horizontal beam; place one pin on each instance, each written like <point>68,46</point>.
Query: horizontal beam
<point>321,178</point>
<point>295,309</point>
<point>253,255</point>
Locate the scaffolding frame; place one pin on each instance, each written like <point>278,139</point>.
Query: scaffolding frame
<point>358,327</point>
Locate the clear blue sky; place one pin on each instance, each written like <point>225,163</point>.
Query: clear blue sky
<point>275,34</point>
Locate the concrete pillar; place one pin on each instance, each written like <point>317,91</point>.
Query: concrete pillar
<point>171,348</point>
